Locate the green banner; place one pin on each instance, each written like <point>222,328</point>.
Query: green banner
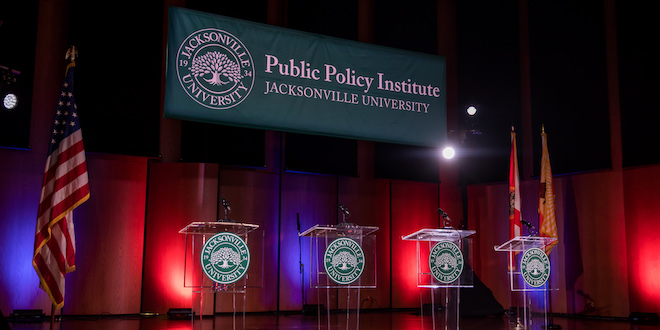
<point>228,71</point>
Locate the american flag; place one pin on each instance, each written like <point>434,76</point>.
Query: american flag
<point>65,186</point>
<point>547,216</point>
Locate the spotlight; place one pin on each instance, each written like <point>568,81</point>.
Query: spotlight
<point>10,101</point>
<point>448,152</point>
<point>8,87</point>
<point>471,125</point>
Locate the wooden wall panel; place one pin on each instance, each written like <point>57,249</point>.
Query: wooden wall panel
<point>600,210</point>
<point>558,256</point>
<point>642,207</point>
<point>109,238</point>
<point>21,174</point>
<point>369,204</point>
<point>178,193</point>
<point>414,206</point>
<point>591,270</point>
<point>450,200</point>
<point>314,199</point>
<point>488,214</point>
<point>254,198</point>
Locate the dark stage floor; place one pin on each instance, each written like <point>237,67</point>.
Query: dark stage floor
<point>370,320</point>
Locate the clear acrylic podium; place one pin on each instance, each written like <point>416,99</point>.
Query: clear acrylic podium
<point>321,241</point>
<point>203,287</point>
<point>534,295</point>
<point>443,256</point>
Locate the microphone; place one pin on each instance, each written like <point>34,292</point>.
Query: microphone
<point>445,218</point>
<point>225,204</point>
<point>343,209</point>
<point>530,227</point>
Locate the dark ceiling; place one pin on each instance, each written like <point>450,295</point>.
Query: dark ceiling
<point>569,91</point>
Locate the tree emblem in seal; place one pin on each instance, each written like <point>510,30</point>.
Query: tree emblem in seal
<point>535,267</point>
<point>225,258</point>
<point>446,262</point>
<point>215,68</point>
<point>343,260</point>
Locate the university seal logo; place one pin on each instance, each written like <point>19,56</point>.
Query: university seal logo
<point>225,258</point>
<point>343,260</point>
<point>535,267</point>
<point>215,68</point>
<point>446,261</point>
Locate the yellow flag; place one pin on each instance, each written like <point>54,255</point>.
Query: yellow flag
<point>547,218</point>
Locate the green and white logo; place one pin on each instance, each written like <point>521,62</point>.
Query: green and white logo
<point>215,68</point>
<point>535,267</point>
<point>225,258</point>
<point>343,260</point>
<point>446,261</point>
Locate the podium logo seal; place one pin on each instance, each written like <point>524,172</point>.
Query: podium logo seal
<point>215,68</point>
<point>343,260</point>
<point>446,261</point>
<point>535,267</point>
<point>225,258</point>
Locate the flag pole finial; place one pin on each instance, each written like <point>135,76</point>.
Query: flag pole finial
<point>71,53</point>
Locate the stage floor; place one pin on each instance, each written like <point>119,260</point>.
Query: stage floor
<point>368,320</point>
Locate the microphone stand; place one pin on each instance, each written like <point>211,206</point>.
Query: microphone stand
<point>302,266</point>
<point>530,228</point>
<point>446,222</point>
<point>345,214</point>
<point>225,204</point>
<point>217,286</point>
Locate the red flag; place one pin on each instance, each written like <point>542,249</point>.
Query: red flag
<point>65,186</point>
<point>547,218</point>
<point>515,227</point>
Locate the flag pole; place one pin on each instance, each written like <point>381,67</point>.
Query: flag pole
<point>551,324</point>
<point>514,219</point>
<point>71,54</point>
<point>52,316</point>
<point>543,216</point>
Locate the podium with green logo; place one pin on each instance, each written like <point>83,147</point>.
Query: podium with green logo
<point>342,256</point>
<point>222,257</point>
<point>528,275</point>
<point>443,256</point>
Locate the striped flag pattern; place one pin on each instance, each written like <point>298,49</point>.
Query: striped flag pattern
<point>65,187</point>
<point>547,218</point>
<point>515,225</point>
